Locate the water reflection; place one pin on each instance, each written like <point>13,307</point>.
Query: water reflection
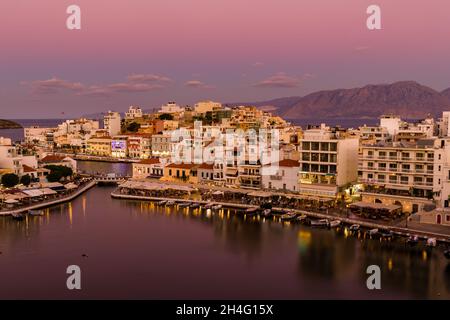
<point>194,253</point>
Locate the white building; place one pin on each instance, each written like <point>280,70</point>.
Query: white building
<point>171,107</point>
<point>133,113</point>
<point>119,146</point>
<point>112,123</point>
<point>285,178</point>
<point>11,161</point>
<point>207,106</point>
<point>328,161</point>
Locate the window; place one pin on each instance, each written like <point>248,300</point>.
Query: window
<point>333,146</point>
<point>314,146</point>
<point>306,145</point>
<point>393,179</point>
<point>324,146</point>
<point>381,177</point>
<point>404,180</point>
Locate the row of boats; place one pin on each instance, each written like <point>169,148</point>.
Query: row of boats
<point>192,205</point>
<point>19,216</point>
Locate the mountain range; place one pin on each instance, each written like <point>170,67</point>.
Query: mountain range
<point>408,99</point>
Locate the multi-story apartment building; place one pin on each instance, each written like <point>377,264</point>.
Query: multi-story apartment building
<point>171,107</point>
<point>119,146</point>
<point>328,161</point>
<point>39,136</point>
<point>99,146</point>
<point>161,145</point>
<point>149,168</point>
<point>400,173</point>
<point>285,178</point>
<point>133,113</point>
<point>11,161</point>
<point>112,123</point>
<point>140,146</point>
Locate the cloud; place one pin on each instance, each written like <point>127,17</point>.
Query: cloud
<point>134,83</point>
<point>54,85</point>
<point>279,80</point>
<point>258,64</point>
<point>197,84</point>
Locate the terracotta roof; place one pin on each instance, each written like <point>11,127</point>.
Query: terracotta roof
<point>289,163</point>
<point>181,165</point>
<point>206,166</point>
<point>28,168</point>
<point>53,158</point>
<point>149,161</point>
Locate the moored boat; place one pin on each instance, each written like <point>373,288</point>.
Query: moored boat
<point>447,253</point>
<point>335,223</point>
<point>251,211</point>
<point>208,206</point>
<point>267,213</point>
<point>288,216</point>
<point>354,227</point>
<point>385,233</point>
<point>217,207</point>
<point>35,213</point>
<point>162,202</point>
<point>320,223</point>
<point>373,232</point>
<point>194,205</point>
<point>301,218</point>
<point>170,203</point>
<point>412,240</point>
<point>184,204</point>
<point>431,242</point>
<point>18,216</point>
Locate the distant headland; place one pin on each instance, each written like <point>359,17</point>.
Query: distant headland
<point>8,124</point>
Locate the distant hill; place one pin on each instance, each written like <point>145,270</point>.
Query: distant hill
<point>8,124</point>
<point>407,99</point>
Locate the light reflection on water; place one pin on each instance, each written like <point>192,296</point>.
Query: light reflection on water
<point>139,250</point>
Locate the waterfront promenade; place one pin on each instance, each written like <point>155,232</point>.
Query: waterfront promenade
<point>51,202</point>
<point>442,233</point>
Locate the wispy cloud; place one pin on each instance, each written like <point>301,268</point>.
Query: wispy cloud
<point>279,80</point>
<point>258,64</point>
<point>198,84</point>
<point>134,83</point>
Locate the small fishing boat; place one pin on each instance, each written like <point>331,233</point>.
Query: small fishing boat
<point>373,232</point>
<point>431,242</point>
<point>335,223</point>
<point>301,218</point>
<point>447,253</point>
<point>288,216</point>
<point>412,240</point>
<point>184,204</point>
<point>36,213</point>
<point>251,211</point>
<point>170,203</point>
<point>354,227</point>
<point>194,205</point>
<point>322,223</point>
<point>208,206</point>
<point>384,233</point>
<point>18,216</point>
<point>161,203</point>
<point>217,207</point>
<point>267,213</point>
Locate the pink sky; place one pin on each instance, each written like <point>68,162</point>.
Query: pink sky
<point>227,50</point>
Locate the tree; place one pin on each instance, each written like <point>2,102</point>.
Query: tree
<point>58,172</point>
<point>133,127</point>
<point>166,116</point>
<point>10,180</point>
<point>25,180</point>
<point>54,176</point>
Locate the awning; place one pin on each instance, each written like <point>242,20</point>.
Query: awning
<point>375,206</point>
<point>70,186</point>
<point>11,201</point>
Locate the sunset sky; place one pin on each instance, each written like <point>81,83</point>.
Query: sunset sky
<point>146,52</point>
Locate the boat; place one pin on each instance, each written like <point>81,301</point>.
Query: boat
<point>267,213</point>
<point>412,240</point>
<point>335,223</point>
<point>184,204</point>
<point>208,206</point>
<point>161,203</point>
<point>170,203</point>
<point>354,227</point>
<point>288,216</point>
<point>18,216</point>
<point>35,213</point>
<point>373,232</point>
<point>194,205</point>
<point>217,207</point>
<point>320,223</point>
<point>251,211</point>
<point>447,253</point>
<point>301,218</point>
<point>385,233</point>
<point>431,242</point>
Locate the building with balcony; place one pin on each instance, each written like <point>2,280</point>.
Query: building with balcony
<point>112,123</point>
<point>285,176</point>
<point>328,161</point>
